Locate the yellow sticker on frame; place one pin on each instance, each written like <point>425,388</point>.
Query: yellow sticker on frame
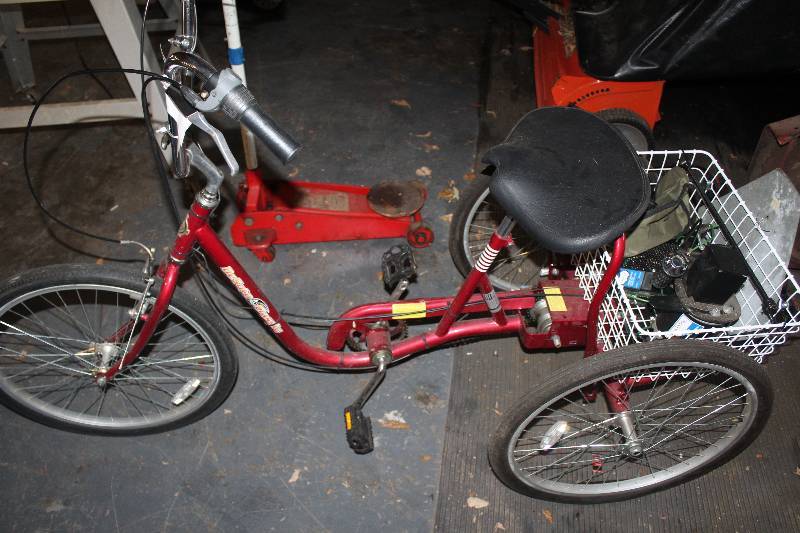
<point>554,299</point>
<point>409,310</point>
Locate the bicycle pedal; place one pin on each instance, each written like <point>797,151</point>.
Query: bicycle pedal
<point>398,266</point>
<point>358,430</point>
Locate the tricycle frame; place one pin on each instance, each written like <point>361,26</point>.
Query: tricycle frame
<point>505,310</point>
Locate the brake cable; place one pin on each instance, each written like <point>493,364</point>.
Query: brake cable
<point>26,143</point>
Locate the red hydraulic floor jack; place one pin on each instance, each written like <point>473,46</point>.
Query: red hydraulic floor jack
<point>289,212</point>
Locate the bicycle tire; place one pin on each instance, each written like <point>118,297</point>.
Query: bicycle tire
<point>64,314</point>
<point>467,239</point>
<point>592,460</point>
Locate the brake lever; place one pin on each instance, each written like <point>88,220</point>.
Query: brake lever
<point>198,119</point>
<point>183,120</point>
<point>179,125</point>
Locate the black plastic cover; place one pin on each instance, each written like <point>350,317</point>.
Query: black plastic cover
<point>643,40</point>
<point>716,275</point>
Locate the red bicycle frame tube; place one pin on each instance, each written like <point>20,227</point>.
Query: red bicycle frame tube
<point>477,277</point>
<point>511,302</point>
<point>195,229</point>
<point>617,257</point>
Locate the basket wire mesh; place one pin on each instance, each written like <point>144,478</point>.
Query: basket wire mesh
<point>624,320</point>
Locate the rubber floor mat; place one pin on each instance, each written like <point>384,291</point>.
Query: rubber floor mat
<point>759,490</point>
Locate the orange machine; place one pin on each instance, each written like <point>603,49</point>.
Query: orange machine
<point>560,80</point>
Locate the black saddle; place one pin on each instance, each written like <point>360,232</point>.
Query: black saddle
<point>569,179</point>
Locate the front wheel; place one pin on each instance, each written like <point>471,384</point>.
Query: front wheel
<point>692,406</point>
<point>60,325</point>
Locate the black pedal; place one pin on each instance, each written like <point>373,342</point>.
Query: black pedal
<point>398,263</point>
<point>358,430</point>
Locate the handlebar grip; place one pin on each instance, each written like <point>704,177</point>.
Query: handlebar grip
<point>241,105</point>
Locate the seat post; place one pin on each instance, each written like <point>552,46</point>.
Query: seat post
<point>617,257</point>
<point>477,277</point>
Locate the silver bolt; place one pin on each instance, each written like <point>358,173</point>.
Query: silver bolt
<point>101,381</point>
<point>181,41</point>
<point>298,225</point>
<point>635,449</point>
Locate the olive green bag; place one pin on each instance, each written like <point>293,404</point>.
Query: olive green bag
<point>667,219</point>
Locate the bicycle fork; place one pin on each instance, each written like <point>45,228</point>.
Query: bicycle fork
<point>618,400</point>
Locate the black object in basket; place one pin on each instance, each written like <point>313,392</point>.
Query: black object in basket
<point>716,275</point>
<point>768,305</point>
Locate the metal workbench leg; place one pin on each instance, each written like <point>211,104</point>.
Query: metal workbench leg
<point>16,52</point>
<point>121,23</point>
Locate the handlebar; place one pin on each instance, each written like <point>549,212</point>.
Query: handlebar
<point>240,104</point>
<point>226,92</point>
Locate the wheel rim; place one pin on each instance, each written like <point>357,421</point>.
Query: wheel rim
<point>714,406</point>
<point>517,266</point>
<point>53,339</point>
<point>634,135</point>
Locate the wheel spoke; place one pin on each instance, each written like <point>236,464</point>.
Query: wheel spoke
<point>516,263</point>
<point>688,416</point>
<point>86,316</point>
<point>53,341</point>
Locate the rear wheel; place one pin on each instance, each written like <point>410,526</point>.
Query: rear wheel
<point>693,405</point>
<point>475,219</point>
<point>60,325</point>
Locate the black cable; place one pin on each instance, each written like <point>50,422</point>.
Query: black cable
<point>216,283</point>
<point>29,127</point>
<point>142,31</point>
<point>156,152</point>
<point>332,320</point>
<point>155,148</point>
<point>272,356</point>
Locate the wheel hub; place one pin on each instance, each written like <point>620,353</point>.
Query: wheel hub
<point>108,352</point>
<point>633,444</point>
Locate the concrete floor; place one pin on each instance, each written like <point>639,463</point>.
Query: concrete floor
<point>329,72</point>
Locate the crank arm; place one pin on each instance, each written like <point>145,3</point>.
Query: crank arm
<point>179,125</point>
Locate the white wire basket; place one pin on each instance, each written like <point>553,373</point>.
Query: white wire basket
<point>623,320</point>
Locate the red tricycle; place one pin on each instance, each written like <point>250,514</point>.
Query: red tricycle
<point>101,350</point>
